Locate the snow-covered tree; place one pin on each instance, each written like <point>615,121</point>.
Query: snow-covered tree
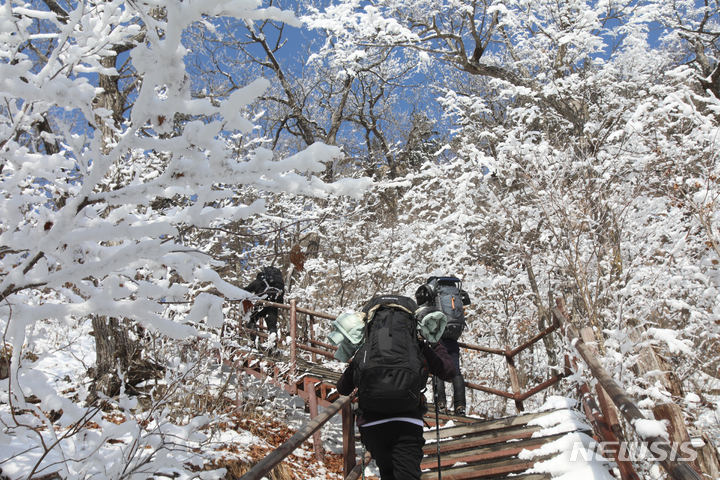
<point>106,163</point>
<point>583,149</point>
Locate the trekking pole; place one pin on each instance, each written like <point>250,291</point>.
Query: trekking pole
<point>437,422</point>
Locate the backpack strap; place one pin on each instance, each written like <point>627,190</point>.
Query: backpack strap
<point>269,288</point>
<point>375,308</point>
<point>264,275</point>
<point>370,313</point>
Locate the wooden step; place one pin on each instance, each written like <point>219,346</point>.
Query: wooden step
<point>486,425</point>
<point>487,470</point>
<point>445,417</point>
<point>529,476</point>
<point>487,449</point>
<point>480,439</point>
<point>486,453</point>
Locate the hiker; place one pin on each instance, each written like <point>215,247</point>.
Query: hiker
<point>269,285</point>
<point>391,401</point>
<point>446,293</point>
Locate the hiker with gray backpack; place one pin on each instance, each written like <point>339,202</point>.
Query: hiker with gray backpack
<point>268,285</point>
<point>390,371</point>
<point>446,294</point>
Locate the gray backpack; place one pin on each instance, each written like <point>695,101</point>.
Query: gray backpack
<point>446,293</point>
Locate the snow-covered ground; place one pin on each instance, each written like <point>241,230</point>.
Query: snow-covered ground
<point>55,433</point>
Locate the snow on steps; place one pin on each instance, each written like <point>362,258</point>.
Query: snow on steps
<point>491,449</point>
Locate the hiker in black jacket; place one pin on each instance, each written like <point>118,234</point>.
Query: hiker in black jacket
<point>264,287</point>
<point>396,441</point>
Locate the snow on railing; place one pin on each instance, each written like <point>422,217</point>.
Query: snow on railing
<point>676,467</point>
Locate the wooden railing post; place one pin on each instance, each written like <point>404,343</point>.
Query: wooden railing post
<point>239,385</point>
<point>357,472</point>
<point>514,381</point>
<point>676,426</point>
<point>293,339</point>
<point>311,320</point>
<point>593,413</point>
<point>313,407</point>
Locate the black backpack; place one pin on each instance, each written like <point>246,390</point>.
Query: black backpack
<point>272,276</point>
<point>447,294</point>
<point>391,371</point>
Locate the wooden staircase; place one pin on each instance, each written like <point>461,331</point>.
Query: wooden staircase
<point>484,449</point>
<point>469,448</point>
<point>473,449</point>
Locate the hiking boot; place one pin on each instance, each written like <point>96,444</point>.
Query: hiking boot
<point>459,395</point>
<point>441,408</point>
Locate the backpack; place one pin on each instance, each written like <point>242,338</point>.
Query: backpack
<point>391,371</point>
<point>272,276</point>
<point>447,294</point>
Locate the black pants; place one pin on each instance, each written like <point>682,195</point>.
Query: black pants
<point>270,314</point>
<point>458,382</point>
<point>453,350</point>
<point>396,447</point>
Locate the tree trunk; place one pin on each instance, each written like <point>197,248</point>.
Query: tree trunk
<point>544,316</point>
<point>115,351</point>
<point>650,362</point>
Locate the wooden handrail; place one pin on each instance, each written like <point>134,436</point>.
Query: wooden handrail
<point>492,391</point>
<point>557,323</point>
<point>357,471</point>
<point>316,314</point>
<point>319,351</point>
<point>508,353</point>
<point>478,348</point>
<point>676,470</point>
<point>539,388</point>
<point>263,467</point>
<point>283,306</point>
<point>594,414</point>
<point>331,348</point>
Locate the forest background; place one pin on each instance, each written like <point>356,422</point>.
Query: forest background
<point>155,154</point>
